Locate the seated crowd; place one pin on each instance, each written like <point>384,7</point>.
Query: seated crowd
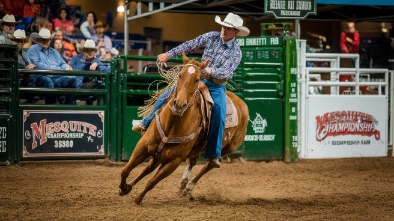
<point>47,47</point>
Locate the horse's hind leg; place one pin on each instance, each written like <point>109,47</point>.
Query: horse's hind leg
<point>190,185</point>
<point>206,168</point>
<point>191,162</point>
<point>164,170</point>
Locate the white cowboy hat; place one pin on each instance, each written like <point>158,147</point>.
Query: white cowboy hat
<point>233,21</point>
<point>89,44</point>
<point>18,34</point>
<point>8,19</point>
<point>44,33</point>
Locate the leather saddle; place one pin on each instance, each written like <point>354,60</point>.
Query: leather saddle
<point>231,111</point>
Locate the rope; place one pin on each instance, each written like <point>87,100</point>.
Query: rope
<point>170,77</point>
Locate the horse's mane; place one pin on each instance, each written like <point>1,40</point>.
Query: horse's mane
<point>170,77</point>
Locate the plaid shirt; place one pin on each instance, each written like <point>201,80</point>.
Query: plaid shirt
<point>223,57</point>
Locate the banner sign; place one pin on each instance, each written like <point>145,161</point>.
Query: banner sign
<point>341,127</point>
<point>5,138</point>
<point>290,9</point>
<point>256,41</point>
<point>62,133</point>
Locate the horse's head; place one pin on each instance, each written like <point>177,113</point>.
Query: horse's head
<point>187,84</point>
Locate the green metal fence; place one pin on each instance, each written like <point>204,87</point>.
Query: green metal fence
<point>38,131</point>
<point>8,104</point>
<point>59,131</point>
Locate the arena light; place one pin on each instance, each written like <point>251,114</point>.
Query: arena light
<point>120,8</point>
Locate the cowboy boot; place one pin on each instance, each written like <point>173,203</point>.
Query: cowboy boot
<point>215,163</point>
<point>139,129</point>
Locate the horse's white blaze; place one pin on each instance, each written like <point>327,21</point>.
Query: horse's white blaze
<point>191,70</point>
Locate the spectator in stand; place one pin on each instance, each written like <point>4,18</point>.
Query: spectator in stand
<point>31,9</point>
<point>350,39</point>
<point>87,61</point>
<point>87,27</point>
<point>47,58</point>
<point>13,7</point>
<point>57,44</point>
<point>63,21</point>
<point>7,25</point>
<point>19,38</point>
<point>103,42</point>
<point>69,47</point>
<point>25,80</point>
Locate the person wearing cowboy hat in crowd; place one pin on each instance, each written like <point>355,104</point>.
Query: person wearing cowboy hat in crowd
<point>224,55</point>
<point>87,61</point>
<point>7,24</point>
<point>103,41</point>
<point>19,38</point>
<point>26,80</point>
<point>47,58</point>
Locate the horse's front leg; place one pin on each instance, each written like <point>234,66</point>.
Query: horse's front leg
<point>191,162</point>
<point>139,155</point>
<point>164,170</point>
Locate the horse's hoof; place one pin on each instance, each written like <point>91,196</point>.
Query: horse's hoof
<point>138,201</point>
<point>127,191</point>
<point>182,185</point>
<point>185,192</point>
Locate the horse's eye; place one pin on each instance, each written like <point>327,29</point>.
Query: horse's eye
<point>179,76</point>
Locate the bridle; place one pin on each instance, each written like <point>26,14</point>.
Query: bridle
<point>189,100</point>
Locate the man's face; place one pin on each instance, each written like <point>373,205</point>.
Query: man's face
<point>44,42</point>
<point>100,30</point>
<point>89,54</point>
<point>351,27</point>
<point>9,28</point>
<point>59,34</point>
<point>228,33</point>
<point>19,43</point>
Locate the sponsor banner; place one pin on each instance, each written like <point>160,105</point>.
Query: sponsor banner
<point>340,127</point>
<point>62,133</point>
<point>290,9</point>
<point>5,135</point>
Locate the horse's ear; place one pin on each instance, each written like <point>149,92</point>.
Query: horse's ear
<point>204,63</point>
<point>185,59</point>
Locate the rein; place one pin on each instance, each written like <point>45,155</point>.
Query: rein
<point>165,139</point>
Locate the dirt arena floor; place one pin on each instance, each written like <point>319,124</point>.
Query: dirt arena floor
<point>340,189</point>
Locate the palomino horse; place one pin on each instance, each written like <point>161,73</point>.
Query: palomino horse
<point>179,133</point>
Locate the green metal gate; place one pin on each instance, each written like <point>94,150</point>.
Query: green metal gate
<point>8,89</point>
<point>263,78</point>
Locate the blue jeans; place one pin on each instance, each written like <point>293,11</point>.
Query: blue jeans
<point>218,117</point>
<point>218,120</point>
<point>45,81</point>
<point>64,82</point>
<point>162,100</point>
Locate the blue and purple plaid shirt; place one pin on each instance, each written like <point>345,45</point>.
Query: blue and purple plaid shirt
<point>223,57</point>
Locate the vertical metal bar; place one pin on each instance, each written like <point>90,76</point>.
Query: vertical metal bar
<point>126,29</point>
<point>290,123</point>
<point>302,93</point>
